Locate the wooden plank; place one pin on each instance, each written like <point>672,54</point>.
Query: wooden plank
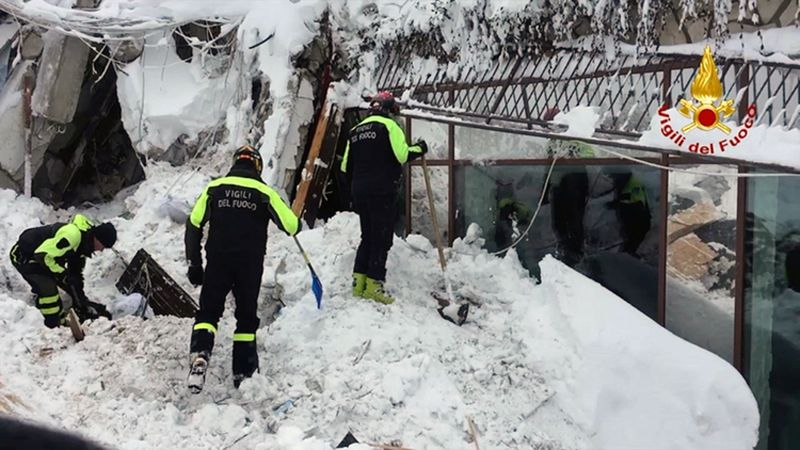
<point>324,166</point>
<point>75,325</point>
<point>308,169</point>
<point>146,277</point>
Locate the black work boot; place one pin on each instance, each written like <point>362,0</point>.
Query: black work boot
<point>200,348</point>
<point>245,361</point>
<point>197,372</point>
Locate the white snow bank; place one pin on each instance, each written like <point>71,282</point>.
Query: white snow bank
<point>163,97</point>
<point>633,384</point>
<point>561,365</point>
<point>581,121</point>
<point>780,45</point>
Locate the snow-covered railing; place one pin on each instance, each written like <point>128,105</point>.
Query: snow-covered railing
<point>531,89</point>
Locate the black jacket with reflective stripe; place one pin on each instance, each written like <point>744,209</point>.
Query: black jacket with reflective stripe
<point>376,149</point>
<point>61,248</point>
<point>238,208</point>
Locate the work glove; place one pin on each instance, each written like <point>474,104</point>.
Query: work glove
<point>423,145</point>
<point>95,310</point>
<point>195,275</point>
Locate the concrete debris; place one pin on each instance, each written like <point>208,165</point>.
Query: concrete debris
<point>60,77</point>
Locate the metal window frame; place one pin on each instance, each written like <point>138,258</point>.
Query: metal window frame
<point>661,157</point>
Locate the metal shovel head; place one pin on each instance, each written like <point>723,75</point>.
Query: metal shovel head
<point>455,313</point>
<point>316,287</point>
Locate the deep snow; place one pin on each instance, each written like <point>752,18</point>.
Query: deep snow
<point>564,364</point>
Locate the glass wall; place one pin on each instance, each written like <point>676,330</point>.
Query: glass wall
<point>434,134</point>
<point>772,308</point>
<point>476,144</point>
<point>421,222</point>
<point>701,256</point>
<point>599,219</point>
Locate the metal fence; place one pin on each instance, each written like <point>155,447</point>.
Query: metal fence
<point>628,90</point>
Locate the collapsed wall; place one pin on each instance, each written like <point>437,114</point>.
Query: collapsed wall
<point>198,88</point>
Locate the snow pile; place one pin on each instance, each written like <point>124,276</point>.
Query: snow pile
<point>561,365</point>
<point>192,102</point>
<point>164,98</point>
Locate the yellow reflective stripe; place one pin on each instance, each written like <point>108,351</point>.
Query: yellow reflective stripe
<point>584,150</point>
<point>343,167</point>
<point>199,211</point>
<point>205,326</point>
<point>50,311</point>
<point>244,337</point>
<point>287,218</point>
<point>635,192</point>
<point>48,300</point>
<point>14,253</point>
<point>49,247</point>
<point>290,222</point>
<point>82,222</point>
<point>396,137</point>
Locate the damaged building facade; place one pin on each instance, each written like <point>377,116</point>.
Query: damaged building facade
<point>63,137</point>
<point>706,245</point>
<point>79,119</point>
<point>694,241</point>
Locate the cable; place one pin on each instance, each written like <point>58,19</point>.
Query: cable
<point>82,21</point>
<point>535,213</point>
<point>696,172</point>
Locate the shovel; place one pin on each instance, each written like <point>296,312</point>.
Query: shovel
<point>448,308</point>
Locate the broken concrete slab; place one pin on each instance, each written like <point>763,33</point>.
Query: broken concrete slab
<point>687,221</point>
<point>689,257</point>
<point>60,77</point>
<point>12,128</point>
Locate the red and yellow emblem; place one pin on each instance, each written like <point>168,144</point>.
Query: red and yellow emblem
<point>707,89</point>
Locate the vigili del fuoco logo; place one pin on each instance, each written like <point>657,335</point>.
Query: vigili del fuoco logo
<point>706,114</point>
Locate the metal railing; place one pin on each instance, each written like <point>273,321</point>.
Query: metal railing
<point>628,90</point>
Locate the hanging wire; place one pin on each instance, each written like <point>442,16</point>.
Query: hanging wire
<point>88,23</point>
<point>696,172</point>
<point>535,213</point>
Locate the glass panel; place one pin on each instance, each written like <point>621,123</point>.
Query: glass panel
<point>701,256</point>
<point>421,222</point>
<point>434,134</point>
<point>598,219</point>
<point>772,308</point>
<point>477,144</point>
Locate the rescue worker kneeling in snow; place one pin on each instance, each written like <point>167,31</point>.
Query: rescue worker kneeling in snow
<point>376,149</point>
<point>238,208</point>
<point>53,256</point>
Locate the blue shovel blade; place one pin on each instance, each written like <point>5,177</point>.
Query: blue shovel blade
<point>316,287</point>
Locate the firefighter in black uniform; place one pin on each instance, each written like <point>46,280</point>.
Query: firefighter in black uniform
<point>238,208</point>
<point>376,149</point>
<point>53,256</point>
<point>633,210</point>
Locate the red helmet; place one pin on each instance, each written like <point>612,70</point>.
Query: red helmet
<point>384,102</point>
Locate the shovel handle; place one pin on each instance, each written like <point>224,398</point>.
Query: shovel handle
<point>432,208</point>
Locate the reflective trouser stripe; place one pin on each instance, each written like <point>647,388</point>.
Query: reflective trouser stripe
<point>48,300</point>
<point>50,311</point>
<point>244,337</point>
<point>205,326</point>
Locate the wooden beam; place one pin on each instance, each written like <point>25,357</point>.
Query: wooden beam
<point>308,169</point>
